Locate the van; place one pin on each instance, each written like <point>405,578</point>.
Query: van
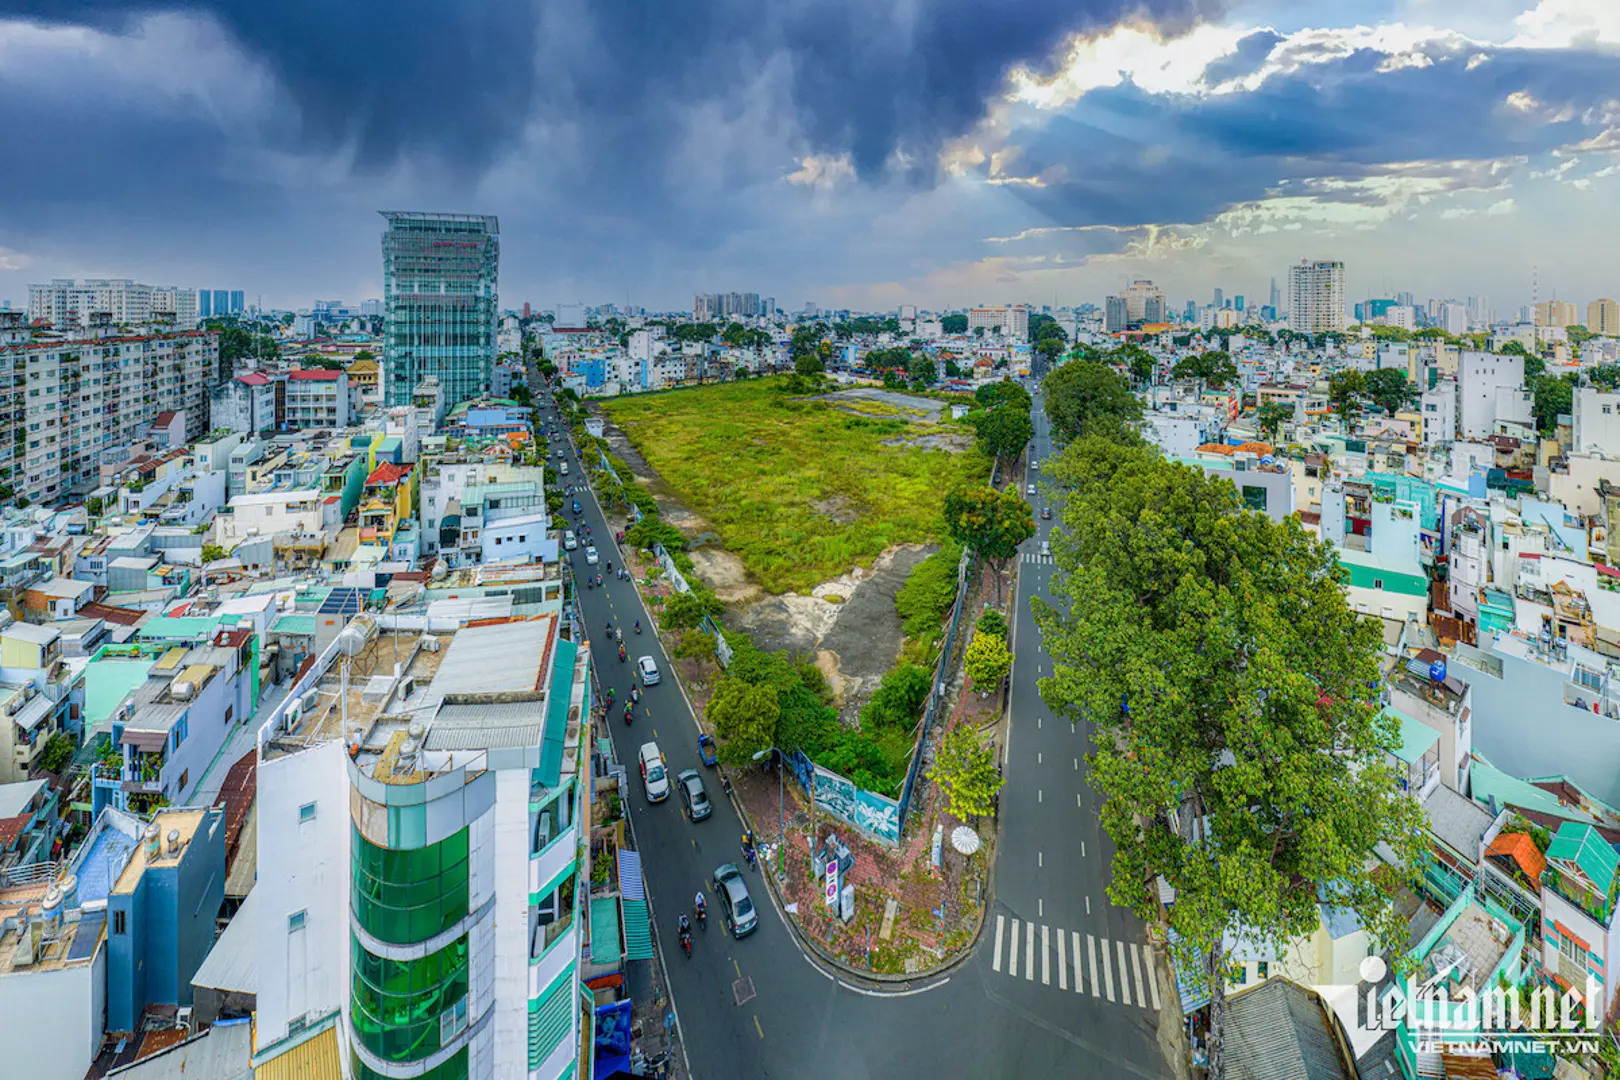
<point>570,542</point>
<point>563,468</point>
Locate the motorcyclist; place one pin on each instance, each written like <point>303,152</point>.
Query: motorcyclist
<point>610,566</point>
<point>629,711</point>
<point>620,633</point>
<point>686,927</point>
<point>697,903</point>
<point>610,697</point>
<point>638,626</point>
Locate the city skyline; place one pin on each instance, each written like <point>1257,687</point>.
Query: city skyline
<point>1437,147</point>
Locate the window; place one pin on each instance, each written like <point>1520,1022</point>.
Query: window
<point>184,775</point>
<point>1265,969</point>
<point>120,923</point>
<point>306,813</point>
<point>1378,583</point>
<point>295,921</point>
<point>1566,948</point>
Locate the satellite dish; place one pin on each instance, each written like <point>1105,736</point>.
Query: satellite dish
<point>965,840</point>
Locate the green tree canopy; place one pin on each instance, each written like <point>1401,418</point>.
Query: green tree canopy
<point>1136,360</point>
<point>1272,416</point>
<point>990,522</point>
<point>1083,396</point>
<point>922,370</point>
<point>1514,348</point>
<point>1215,368</point>
<point>1240,748</point>
<point>1344,392</point>
<point>744,717</point>
<point>1004,392</point>
<point>988,661</point>
<point>1551,395</point>
<point>1004,431</point>
<point>1389,388</point>
<point>954,324</point>
<point>808,363</point>
<point>965,770</point>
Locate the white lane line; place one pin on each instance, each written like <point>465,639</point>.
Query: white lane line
<point>1078,980</point>
<point>1077,805</point>
<point>1012,953</point>
<point>995,965</point>
<point>1029,952</point>
<point>1040,858</point>
<point>1136,969</point>
<point>1046,955</point>
<point>1108,974</point>
<point>1040,796</point>
<point>1082,849</point>
<point>1063,963</point>
<point>1153,979</point>
<point>1124,973</point>
<point>1088,905</point>
<point>1040,907</point>
<point>1076,764</point>
<point>1039,722</point>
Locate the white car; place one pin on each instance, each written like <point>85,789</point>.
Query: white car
<point>648,670</point>
<point>1032,489</point>
<point>1046,547</point>
<point>590,555</point>
<point>570,541</point>
<point>654,777</point>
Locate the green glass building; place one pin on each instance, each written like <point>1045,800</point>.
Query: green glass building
<point>440,273</point>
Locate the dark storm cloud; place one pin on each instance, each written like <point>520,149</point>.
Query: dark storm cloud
<point>1122,156</point>
<point>1251,52</point>
<point>867,77</point>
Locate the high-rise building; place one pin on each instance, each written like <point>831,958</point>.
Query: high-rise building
<point>1603,317</point>
<point>1116,314</point>
<point>1012,321</point>
<point>1275,300</point>
<point>1192,311</point>
<point>1137,296</point>
<point>179,305</point>
<point>73,403</point>
<point>1220,298</point>
<point>440,275</point>
<point>222,303</point>
<point>1153,310</point>
<point>1316,296</point>
<point>423,870</point>
<point>205,304</point>
<point>238,301</point>
<point>1237,303</point>
<point>1555,313</point>
<point>1452,318</point>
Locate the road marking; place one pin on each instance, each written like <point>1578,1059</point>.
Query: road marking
<point>1124,973</point>
<point>1088,905</point>
<point>1077,977</point>
<point>1077,769</point>
<point>1040,907</point>
<point>1082,849</point>
<point>995,965</point>
<point>1108,972</point>
<point>1040,758</point>
<point>1152,979</point>
<point>1136,969</point>
<point>1091,962</point>
<point>1063,964</point>
<point>1012,953</point>
<point>1040,858</point>
<point>1046,954</point>
<point>1029,953</point>
<point>757,1027</point>
<point>1039,722</point>
<point>1040,796</point>
<point>1077,801</point>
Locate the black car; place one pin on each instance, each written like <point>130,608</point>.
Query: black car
<point>1046,513</point>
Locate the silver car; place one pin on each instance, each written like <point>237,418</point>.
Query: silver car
<point>695,798</point>
<point>735,905</point>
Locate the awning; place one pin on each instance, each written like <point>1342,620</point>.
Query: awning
<point>145,740</point>
<point>32,713</point>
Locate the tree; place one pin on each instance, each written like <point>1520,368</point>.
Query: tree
<point>1083,396</point>
<point>988,661</point>
<point>1273,415</point>
<point>992,523</point>
<point>1514,348</point>
<point>1239,744</point>
<point>1005,392</point>
<point>1049,349</point>
<point>1550,396</point>
<point>922,370</point>
<point>1606,376</point>
<point>93,507</point>
<point>808,364</point>
<point>954,324</point>
<point>1136,360</point>
<point>1344,391</point>
<point>57,753</point>
<point>991,621</point>
<point>1578,335</point>
<point>1004,431</point>
<point>1214,369</point>
<point>683,611</point>
<point>1389,388</point>
<point>965,770</point>
<point>212,552</point>
<point>744,716</point>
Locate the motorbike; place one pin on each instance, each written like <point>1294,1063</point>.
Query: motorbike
<point>610,697</point>
<point>635,694</point>
<point>629,713</point>
<point>619,635</point>
<point>702,914</point>
<point>638,628</point>
<point>748,853</point>
<point>686,942</point>
<point>622,654</point>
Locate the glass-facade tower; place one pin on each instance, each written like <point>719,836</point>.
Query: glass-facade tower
<point>440,306</point>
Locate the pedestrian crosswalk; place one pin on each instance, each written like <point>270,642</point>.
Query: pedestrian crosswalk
<point>1116,971</point>
<point>1039,560</point>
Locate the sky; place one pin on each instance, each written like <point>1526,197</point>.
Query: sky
<point>854,153</point>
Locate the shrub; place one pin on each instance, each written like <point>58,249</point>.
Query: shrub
<point>993,622</point>
<point>57,753</point>
<point>929,592</point>
<point>898,699</point>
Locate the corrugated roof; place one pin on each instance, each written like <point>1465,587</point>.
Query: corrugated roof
<point>294,623</point>
<point>1522,850</point>
<point>606,946</point>
<point>318,1057</point>
<point>1278,1031</point>
<point>486,727</point>
<point>233,963</point>
<point>223,1052</point>
<point>1416,736</point>
<point>1581,846</point>
<point>1457,821</point>
<point>556,730</point>
<point>498,658</point>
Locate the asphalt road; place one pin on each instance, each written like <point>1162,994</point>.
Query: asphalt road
<point>757,1008</point>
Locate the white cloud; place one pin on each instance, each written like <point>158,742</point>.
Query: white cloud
<point>1497,209</point>
<point>822,171</point>
<point>1156,64</point>
<point>1566,23</point>
<point>12,260</point>
<point>1456,213</point>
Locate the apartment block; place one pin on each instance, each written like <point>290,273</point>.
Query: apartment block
<point>66,402</point>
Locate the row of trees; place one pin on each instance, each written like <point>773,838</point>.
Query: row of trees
<point>1239,744</point>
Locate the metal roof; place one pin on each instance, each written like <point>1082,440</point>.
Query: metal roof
<point>29,716</point>
<point>223,1052</point>
<point>233,963</point>
<point>1459,822</point>
<point>486,727</point>
<point>14,798</point>
<point>494,659</point>
<point>1278,1031</point>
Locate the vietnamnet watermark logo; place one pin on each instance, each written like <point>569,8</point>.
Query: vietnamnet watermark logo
<point>1438,1017</point>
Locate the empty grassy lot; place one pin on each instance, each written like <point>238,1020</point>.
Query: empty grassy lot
<point>798,489</point>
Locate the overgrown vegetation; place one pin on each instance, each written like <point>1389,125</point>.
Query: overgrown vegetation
<point>799,490</point>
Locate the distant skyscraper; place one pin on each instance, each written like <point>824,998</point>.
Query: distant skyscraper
<point>1153,310</point>
<point>1138,296</point>
<point>440,275</point>
<point>1316,295</point>
<point>205,304</point>
<point>1116,314</point>
<point>1276,298</point>
<point>222,302</point>
<point>1219,297</point>
<point>238,301</point>
<point>1237,303</point>
<point>1603,317</point>
<point>1192,311</point>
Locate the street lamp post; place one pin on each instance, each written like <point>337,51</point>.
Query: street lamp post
<point>781,834</point>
